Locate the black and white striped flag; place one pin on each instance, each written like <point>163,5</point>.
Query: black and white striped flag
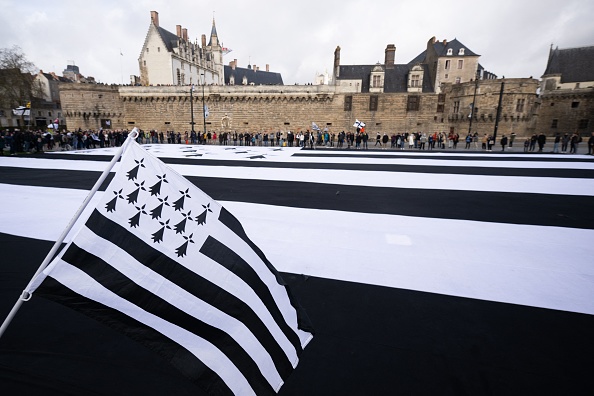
<point>167,265</point>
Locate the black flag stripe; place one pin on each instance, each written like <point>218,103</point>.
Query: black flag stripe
<point>187,363</point>
<point>192,283</point>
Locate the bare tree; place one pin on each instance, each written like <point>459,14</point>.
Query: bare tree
<point>16,78</point>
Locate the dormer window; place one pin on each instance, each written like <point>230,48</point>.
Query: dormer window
<point>461,51</point>
<point>449,51</point>
<point>376,80</point>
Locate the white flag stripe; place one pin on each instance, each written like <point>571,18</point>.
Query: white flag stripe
<point>518,184</point>
<point>474,276</point>
<point>278,292</point>
<point>183,300</point>
<point>431,181</point>
<point>79,282</point>
<point>316,157</point>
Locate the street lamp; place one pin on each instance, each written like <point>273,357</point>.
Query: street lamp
<point>203,106</point>
<point>192,106</point>
<point>499,108</point>
<point>476,81</point>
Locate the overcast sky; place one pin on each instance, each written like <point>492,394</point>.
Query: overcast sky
<point>297,39</point>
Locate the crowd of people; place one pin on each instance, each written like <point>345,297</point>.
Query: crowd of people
<point>38,141</point>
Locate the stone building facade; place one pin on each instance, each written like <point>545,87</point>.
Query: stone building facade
<point>173,59</point>
<point>567,92</point>
<point>274,108</point>
<point>519,106</point>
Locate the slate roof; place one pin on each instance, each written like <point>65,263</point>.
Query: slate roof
<point>395,80</point>
<point>213,32</point>
<point>56,78</point>
<point>170,39</point>
<point>257,77</point>
<point>442,50</point>
<point>574,64</point>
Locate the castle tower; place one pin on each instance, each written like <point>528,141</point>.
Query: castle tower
<point>216,50</point>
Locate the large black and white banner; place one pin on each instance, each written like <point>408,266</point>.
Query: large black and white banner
<point>423,273</point>
<point>163,262</point>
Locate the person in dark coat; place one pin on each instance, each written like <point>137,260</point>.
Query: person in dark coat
<point>542,139</point>
<point>503,142</point>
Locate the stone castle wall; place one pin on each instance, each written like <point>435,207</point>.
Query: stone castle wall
<point>567,111</point>
<point>274,108</point>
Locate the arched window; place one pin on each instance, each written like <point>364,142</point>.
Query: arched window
<point>449,51</point>
<point>461,51</point>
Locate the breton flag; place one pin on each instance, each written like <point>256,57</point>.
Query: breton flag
<point>315,127</point>
<point>162,262</point>
<point>358,124</point>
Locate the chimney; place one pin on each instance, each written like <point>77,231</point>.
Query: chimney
<point>254,68</point>
<point>203,40</point>
<point>267,67</point>
<point>445,41</point>
<point>390,56</point>
<point>155,18</point>
<point>178,30</point>
<point>337,61</point>
<point>234,64</point>
<point>185,34</point>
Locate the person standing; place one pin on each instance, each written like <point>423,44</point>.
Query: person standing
<point>503,142</point>
<point>591,145</point>
<point>512,137</point>
<point>365,138</point>
<point>542,139</point>
<point>575,140</point>
<point>564,143</point>
<point>378,140</point>
<point>556,143</point>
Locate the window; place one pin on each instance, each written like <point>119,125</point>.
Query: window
<point>147,49</point>
<point>458,79</point>
<point>583,124</point>
<point>440,108</point>
<point>178,77</point>
<point>575,105</point>
<point>461,51</point>
<point>348,103</point>
<point>520,105</point>
<point>376,83</point>
<point>449,51</point>
<point>460,63</point>
<point>158,49</point>
<point>144,63</point>
<point>441,97</point>
<point>446,76</point>
<point>373,103</point>
<point>554,123</point>
<point>414,80</point>
<point>456,106</point>
<point>447,65</point>
<point>412,103</point>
